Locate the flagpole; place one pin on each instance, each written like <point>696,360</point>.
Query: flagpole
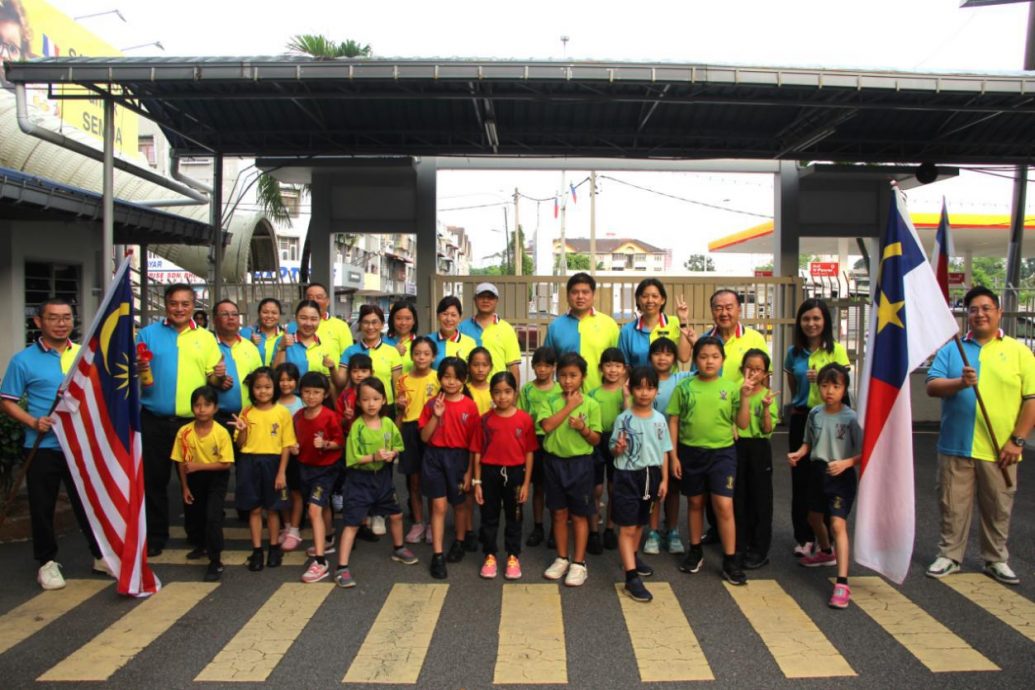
<point>984,413</point>
<point>23,471</point>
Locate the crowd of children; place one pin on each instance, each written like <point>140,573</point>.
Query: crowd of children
<point>643,437</point>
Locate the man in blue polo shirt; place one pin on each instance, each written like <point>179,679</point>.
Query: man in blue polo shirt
<point>583,329</point>
<point>185,356</point>
<point>36,373</point>
<point>493,333</point>
<point>240,356</point>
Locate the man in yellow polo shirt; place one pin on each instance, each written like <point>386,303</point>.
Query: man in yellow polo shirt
<point>493,333</point>
<point>185,356</point>
<point>736,337</point>
<point>583,329</point>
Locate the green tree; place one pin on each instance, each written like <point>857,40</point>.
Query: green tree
<point>699,262</point>
<point>577,262</point>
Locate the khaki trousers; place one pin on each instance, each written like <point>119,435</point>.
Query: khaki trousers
<point>959,479</point>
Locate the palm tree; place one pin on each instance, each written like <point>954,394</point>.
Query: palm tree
<point>267,190</point>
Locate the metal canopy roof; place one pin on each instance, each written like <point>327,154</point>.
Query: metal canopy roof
<point>268,106</point>
<point>33,198</point>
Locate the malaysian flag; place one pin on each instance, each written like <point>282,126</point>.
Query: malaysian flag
<point>908,322</point>
<point>97,422</point>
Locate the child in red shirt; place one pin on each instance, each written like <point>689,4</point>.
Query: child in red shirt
<point>448,425</point>
<point>502,473</point>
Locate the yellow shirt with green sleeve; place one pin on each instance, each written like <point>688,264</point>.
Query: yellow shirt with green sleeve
<point>214,447</point>
<point>707,411</point>
<point>532,400</point>
<point>365,440</point>
<point>564,441</point>
<point>758,413</point>
<point>611,404</point>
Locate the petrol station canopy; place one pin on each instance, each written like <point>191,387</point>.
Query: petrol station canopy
<point>300,106</point>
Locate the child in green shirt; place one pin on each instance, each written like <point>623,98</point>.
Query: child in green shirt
<point>534,395</point>
<point>610,395</point>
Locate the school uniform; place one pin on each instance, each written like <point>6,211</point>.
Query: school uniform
<point>385,360</point>
<point>637,474</point>
<point>318,468</point>
<point>482,398</point>
<point>568,463</point>
<point>447,454</point>
<point>707,412</point>
<point>611,404</point>
<point>269,433</point>
<point>753,493</point>
<point>418,390</point>
<point>369,489</point>
<point>832,437</point>
<point>531,399</point>
<point>203,519</point>
<point>503,443</point>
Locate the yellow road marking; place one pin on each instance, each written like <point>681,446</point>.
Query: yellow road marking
<point>29,618</point>
<point>112,649</point>
<point>665,646</point>
<point>179,557</point>
<point>259,646</point>
<point>394,649</point>
<point>999,600</point>
<point>531,646</point>
<point>229,533</point>
<point>799,648</point>
<point>934,645</point>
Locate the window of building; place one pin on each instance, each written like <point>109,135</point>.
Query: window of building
<point>44,281</point>
<point>288,248</point>
<point>146,146</point>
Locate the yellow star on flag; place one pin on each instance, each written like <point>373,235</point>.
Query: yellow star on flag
<point>887,312</point>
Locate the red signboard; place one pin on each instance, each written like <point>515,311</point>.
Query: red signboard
<point>763,274</point>
<point>956,278</point>
<point>823,269</point>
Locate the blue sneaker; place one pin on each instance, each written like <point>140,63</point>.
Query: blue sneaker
<point>652,546</point>
<point>675,544</point>
<point>636,591</point>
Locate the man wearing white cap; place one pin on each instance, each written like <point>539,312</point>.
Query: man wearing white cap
<point>493,333</point>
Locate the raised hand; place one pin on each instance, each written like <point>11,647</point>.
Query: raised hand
<point>256,336</point>
<point>286,341</point>
<point>439,406</point>
<point>318,441</point>
<point>402,347</point>
<point>682,311</point>
<point>575,398</point>
<point>227,383</point>
<point>220,369</point>
<point>769,397</point>
<point>621,446</point>
<point>239,423</point>
<point>329,362</point>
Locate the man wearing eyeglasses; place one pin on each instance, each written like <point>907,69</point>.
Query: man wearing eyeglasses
<point>736,338</point>
<point>1003,371</point>
<point>240,356</point>
<point>36,373</point>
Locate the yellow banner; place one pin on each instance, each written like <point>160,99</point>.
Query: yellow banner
<point>44,31</point>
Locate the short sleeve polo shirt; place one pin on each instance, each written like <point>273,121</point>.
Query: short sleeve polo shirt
<point>588,336</point>
<point>457,345</point>
<point>242,358</point>
<point>833,437</point>
<point>635,338</point>
<point>214,447</point>
<point>267,345</point>
<point>37,372</point>
<point>564,441</point>
<point>611,404</point>
<point>310,357</point>
<point>647,440</point>
<point>506,440</point>
<point>269,431</point>
<point>1006,378</point>
<point>407,358</point>
<point>333,331</point>
<point>759,411</point>
<point>499,338</point>
<point>182,362</point>
<point>364,440</point>
<point>798,362</point>
<point>458,427</point>
<point>386,360</point>
<point>742,340</point>
<point>706,411</point>
<point>419,390</point>
<point>533,399</point>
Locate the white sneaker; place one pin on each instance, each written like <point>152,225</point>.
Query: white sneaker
<point>557,569</point>
<point>377,525</point>
<point>942,567</point>
<point>576,575</point>
<point>100,567</point>
<point>49,576</point>
<point>1002,572</point>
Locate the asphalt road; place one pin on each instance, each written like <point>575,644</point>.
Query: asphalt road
<point>597,644</point>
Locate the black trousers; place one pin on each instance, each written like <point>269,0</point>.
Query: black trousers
<point>44,477</point>
<point>753,496</point>
<point>799,478</point>
<point>158,435</point>
<point>501,487</point>
<point>203,519</point>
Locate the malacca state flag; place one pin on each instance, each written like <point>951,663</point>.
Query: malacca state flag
<point>97,423</point>
<point>909,321</point>
<point>943,251</point>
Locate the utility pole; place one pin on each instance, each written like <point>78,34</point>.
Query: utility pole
<point>593,222</point>
<point>517,235</point>
<point>562,268</point>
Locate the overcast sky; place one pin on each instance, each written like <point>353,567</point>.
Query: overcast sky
<point>914,35</point>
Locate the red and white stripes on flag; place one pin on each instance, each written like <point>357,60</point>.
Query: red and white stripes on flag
<point>943,251</point>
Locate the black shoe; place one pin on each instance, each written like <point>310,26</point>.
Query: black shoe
<point>470,542</point>
<point>366,534</point>
<point>536,537</point>
<point>732,572</point>
<point>551,543</point>
<point>710,537</point>
<point>198,553</point>
<point>754,561</point>
<point>275,558</point>
<point>456,552</point>
<point>213,572</point>
<point>610,539</point>
<point>153,551</point>
<point>642,569</point>
<point>438,567</point>
<point>693,561</point>
<point>593,545</point>
<point>255,561</point>
<point>636,591</point>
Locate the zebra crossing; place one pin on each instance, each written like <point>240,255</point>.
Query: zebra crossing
<point>532,646</point>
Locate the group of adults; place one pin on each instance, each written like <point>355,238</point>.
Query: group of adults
<point>185,356</point>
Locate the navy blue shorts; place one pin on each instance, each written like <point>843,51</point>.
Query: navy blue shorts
<point>833,495</point>
<point>569,484</point>
<point>604,462</point>
<point>256,475</point>
<point>317,482</point>
<point>294,478</point>
<point>634,493</point>
<point>708,470</point>
<point>537,462</point>
<point>413,449</point>
<point>368,493</point>
<point>442,473</point>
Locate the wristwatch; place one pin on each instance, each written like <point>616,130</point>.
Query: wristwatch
<point>1018,441</point>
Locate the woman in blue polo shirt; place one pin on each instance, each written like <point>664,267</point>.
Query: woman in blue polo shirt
<point>266,334</point>
<point>636,336</point>
<point>450,341</point>
<point>388,364</point>
<point>814,347</point>
<point>305,349</point>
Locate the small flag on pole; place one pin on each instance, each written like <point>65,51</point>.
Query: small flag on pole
<point>98,427</point>
<point>907,323</point>
<point>556,207</point>
<point>943,251</point>
<point>574,196</point>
